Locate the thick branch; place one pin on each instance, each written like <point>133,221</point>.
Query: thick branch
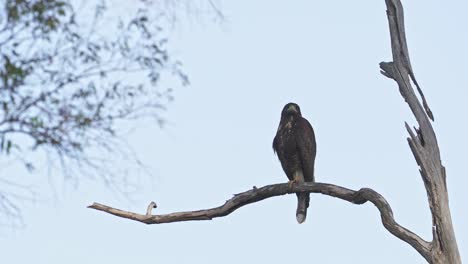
<point>423,144</point>
<point>258,194</point>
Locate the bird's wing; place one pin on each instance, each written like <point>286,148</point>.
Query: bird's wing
<point>305,140</point>
<point>279,150</point>
<point>275,145</point>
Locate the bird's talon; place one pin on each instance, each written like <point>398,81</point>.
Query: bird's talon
<point>291,184</point>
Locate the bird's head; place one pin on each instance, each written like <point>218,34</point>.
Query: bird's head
<point>291,109</point>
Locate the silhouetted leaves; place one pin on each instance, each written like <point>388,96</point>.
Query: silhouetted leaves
<point>64,79</point>
<point>69,73</point>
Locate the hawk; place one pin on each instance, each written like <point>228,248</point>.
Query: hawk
<point>295,146</point>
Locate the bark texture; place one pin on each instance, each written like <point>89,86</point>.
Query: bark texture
<point>422,141</point>
<point>258,194</point>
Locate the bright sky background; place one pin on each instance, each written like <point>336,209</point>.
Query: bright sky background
<point>323,55</point>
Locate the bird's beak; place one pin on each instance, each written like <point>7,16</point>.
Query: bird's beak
<point>292,109</point>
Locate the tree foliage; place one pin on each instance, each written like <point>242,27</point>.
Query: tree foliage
<point>71,70</point>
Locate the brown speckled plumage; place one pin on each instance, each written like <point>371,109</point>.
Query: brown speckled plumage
<point>295,146</point>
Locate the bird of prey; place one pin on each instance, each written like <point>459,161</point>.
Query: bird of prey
<point>295,146</point>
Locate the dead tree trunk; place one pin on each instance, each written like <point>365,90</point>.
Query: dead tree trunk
<point>422,141</point>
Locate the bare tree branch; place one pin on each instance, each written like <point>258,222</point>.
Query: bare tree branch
<point>443,248</point>
<point>258,194</point>
<point>423,144</point>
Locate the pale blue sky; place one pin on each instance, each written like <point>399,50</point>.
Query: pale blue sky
<point>323,55</point>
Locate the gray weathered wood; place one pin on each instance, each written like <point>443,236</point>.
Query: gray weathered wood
<point>258,194</point>
<point>423,142</point>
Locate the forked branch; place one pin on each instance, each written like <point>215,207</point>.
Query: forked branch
<point>443,248</point>
<point>423,141</point>
<point>258,194</point>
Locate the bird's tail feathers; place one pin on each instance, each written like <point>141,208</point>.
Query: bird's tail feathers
<point>302,205</point>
